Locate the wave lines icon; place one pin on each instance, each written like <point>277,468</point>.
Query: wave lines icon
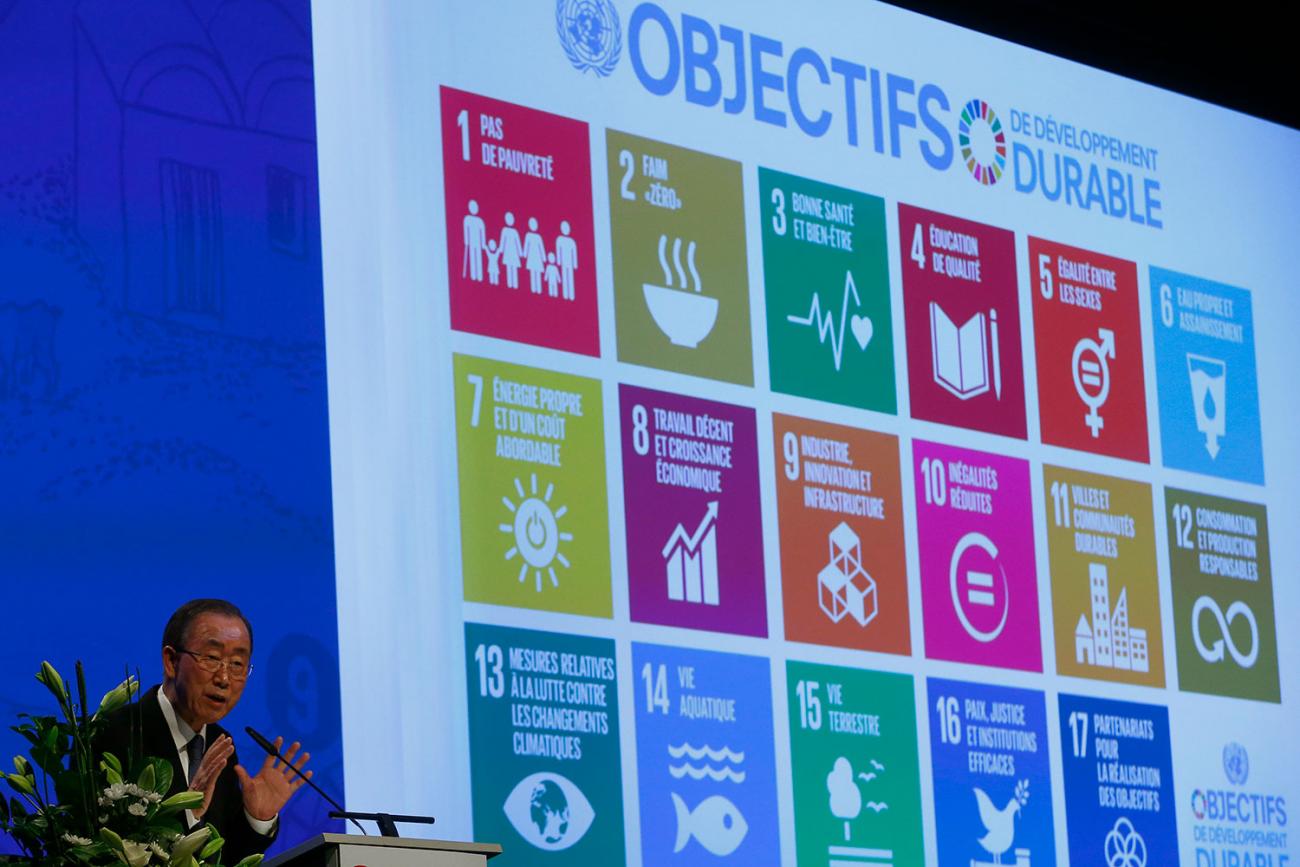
<point>828,328</point>
<point>718,766</point>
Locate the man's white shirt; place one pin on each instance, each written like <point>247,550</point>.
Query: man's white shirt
<point>182,734</point>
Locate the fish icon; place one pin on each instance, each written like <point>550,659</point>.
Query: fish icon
<point>715,822</point>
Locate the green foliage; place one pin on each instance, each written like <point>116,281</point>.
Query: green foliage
<point>181,801</point>
<point>73,808</point>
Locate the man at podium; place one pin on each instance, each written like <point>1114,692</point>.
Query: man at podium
<point>207,648</point>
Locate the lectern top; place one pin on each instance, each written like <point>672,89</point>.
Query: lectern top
<point>487,850</point>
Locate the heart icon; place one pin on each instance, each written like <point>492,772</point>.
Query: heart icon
<point>862,330</point>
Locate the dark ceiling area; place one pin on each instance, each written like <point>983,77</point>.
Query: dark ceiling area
<point>1240,57</point>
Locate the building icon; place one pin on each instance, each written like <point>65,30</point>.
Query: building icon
<point>1100,584</point>
<point>1108,641</point>
<point>1119,630</point>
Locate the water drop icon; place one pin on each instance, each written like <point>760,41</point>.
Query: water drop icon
<point>1208,378</point>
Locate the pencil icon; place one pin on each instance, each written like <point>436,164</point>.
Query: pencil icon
<point>997,356</point>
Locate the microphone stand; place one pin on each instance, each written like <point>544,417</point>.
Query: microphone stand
<point>386,821</point>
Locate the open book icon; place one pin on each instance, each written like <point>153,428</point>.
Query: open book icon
<point>966,359</point>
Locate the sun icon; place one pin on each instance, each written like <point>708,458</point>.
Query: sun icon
<point>536,531</point>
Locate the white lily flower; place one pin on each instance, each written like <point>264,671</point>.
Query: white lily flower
<point>115,792</point>
<point>137,854</point>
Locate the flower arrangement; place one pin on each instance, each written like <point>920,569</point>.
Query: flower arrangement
<point>73,807</point>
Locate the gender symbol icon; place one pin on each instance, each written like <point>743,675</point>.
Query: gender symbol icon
<point>1087,338</point>
<point>1092,375</point>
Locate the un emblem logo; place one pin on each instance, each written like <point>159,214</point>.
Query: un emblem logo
<point>1236,764</point>
<point>589,34</point>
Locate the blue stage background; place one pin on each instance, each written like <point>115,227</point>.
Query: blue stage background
<point>163,418</point>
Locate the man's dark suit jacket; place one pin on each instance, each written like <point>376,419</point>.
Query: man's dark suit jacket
<point>225,812</point>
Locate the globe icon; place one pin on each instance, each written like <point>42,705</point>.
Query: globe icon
<point>1236,763</point>
<point>589,34</point>
<point>588,27</point>
<point>549,811</point>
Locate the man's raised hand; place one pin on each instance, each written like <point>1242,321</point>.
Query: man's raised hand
<point>266,793</point>
<point>210,767</point>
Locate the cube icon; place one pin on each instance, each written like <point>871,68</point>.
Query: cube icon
<point>843,586</point>
<point>846,549</point>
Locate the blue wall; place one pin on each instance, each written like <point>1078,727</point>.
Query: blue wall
<point>163,418</point>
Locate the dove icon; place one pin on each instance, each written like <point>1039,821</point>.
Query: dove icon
<point>1001,825</point>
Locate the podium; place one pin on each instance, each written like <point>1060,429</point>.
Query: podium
<point>351,850</point>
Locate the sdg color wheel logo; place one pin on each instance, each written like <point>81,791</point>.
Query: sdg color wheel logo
<point>982,141</point>
<point>590,34</point>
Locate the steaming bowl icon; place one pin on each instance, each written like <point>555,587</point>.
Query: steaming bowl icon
<point>687,318</point>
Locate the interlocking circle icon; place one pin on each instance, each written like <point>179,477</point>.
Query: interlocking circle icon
<point>1125,846</point>
<point>1214,652</point>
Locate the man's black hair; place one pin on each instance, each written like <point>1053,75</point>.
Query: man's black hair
<point>178,625</point>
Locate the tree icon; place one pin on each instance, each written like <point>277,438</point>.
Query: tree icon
<point>845,797</point>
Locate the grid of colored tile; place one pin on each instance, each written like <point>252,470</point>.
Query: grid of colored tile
<point>535,496</point>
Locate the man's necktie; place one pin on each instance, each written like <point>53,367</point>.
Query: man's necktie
<point>194,749</point>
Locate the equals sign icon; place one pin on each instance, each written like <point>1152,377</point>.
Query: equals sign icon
<point>979,580</point>
<point>1090,372</point>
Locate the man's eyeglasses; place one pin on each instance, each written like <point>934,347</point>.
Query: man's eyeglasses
<point>236,669</point>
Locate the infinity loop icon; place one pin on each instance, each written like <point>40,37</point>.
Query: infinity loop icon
<point>1215,651</point>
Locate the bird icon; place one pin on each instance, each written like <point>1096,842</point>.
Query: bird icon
<point>1000,824</point>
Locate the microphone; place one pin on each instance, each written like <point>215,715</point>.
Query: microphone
<point>272,751</point>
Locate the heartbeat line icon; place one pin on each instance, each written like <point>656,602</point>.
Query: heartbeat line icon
<point>825,322</point>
